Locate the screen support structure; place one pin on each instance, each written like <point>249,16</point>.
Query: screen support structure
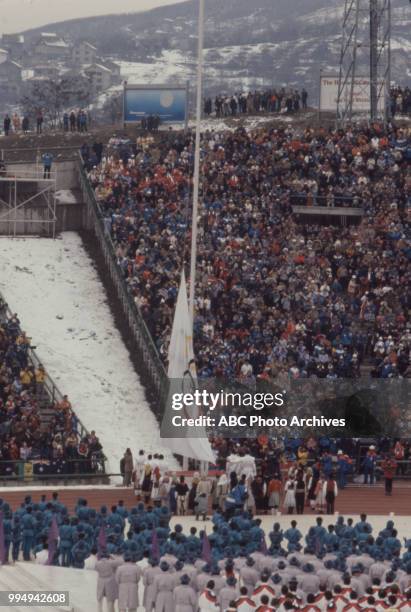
<point>366,39</point>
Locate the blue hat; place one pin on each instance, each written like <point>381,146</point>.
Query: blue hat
<point>231,581</point>
<point>276,578</point>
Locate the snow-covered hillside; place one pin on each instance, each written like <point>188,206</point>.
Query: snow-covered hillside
<point>55,290</point>
<point>247,44</point>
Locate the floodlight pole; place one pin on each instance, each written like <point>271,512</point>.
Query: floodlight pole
<point>196,178</point>
<point>373,59</point>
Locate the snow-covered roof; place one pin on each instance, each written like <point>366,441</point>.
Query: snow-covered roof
<point>87,44</point>
<point>12,63</point>
<point>55,43</point>
<point>13,38</point>
<point>98,66</point>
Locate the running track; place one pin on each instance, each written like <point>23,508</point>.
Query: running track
<point>353,500</point>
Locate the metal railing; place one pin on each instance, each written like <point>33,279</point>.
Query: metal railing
<point>151,360</point>
<point>43,469</point>
<point>337,201</point>
<point>50,388</point>
<point>13,155</point>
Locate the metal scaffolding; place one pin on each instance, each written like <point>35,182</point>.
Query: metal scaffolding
<point>28,200</point>
<point>365,54</point>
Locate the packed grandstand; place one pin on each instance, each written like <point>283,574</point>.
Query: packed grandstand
<point>277,298</point>
<point>274,296</point>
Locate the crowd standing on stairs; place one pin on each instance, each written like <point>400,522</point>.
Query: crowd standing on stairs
<point>55,446</point>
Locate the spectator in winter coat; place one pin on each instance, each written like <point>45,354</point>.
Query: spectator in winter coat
<point>128,467</point>
<point>107,586</point>
<point>163,588</point>
<point>389,467</point>
<point>127,577</point>
<point>6,125</point>
<point>185,597</point>
<point>201,506</point>
<point>330,492</point>
<point>369,465</point>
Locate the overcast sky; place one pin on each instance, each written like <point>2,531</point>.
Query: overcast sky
<point>18,15</point>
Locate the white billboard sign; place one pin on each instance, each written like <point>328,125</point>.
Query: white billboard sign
<point>361,94</point>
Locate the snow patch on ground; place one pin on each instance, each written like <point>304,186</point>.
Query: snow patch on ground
<point>55,290</point>
<point>171,64</point>
<point>65,196</point>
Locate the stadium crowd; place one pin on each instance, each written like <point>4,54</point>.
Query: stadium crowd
<point>56,447</point>
<point>266,101</point>
<point>400,99</point>
<point>340,566</point>
<point>273,297</point>
<point>73,121</point>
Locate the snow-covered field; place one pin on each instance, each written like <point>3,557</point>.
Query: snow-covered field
<point>55,290</point>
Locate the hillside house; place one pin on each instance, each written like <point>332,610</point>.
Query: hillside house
<point>10,80</point>
<point>51,46</point>
<point>100,77</point>
<point>14,44</point>
<point>83,53</point>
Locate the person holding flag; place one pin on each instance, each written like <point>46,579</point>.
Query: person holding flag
<point>52,542</point>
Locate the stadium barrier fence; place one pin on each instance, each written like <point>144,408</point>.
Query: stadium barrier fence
<point>150,359</point>
<point>338,201</point>
<point>34,470</point>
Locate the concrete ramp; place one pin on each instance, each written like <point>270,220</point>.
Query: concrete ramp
<point>81,585</point>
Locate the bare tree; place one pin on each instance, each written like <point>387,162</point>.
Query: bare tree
<point>54,97</point>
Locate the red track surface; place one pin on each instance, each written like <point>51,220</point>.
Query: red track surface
<point>353,500</point>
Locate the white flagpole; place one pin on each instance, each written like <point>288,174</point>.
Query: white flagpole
<point>196,178</point>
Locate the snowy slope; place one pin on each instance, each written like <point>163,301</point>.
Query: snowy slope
<point>61,303</point>
<point>247,44</point>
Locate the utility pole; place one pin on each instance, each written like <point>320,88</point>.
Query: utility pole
<point>373,59</point>
<point>197,153</point>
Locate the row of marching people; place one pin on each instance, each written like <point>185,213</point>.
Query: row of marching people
<point>241,585</point>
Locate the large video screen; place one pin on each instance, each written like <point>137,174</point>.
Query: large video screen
<point>169,103</point>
